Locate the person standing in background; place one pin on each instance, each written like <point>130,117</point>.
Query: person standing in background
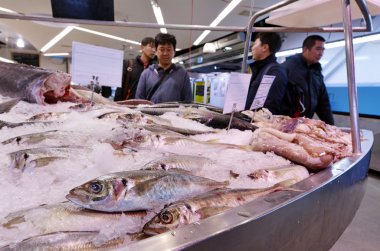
<point>306,93</point>
<point>133,68</point>
<point>265,63</point>
<point>164,81</point>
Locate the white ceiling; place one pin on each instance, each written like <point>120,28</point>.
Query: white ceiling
<point>197,12</point>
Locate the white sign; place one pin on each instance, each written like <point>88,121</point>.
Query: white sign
<point>262,92</point>
<point>90,60</point>
<point>236,94</point>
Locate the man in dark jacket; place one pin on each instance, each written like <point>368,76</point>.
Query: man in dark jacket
<point>307,92</point>
<point>263,53</point>
<point>132,70</point>
<point>165,81</point>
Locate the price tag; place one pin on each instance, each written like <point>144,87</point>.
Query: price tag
<point>262,92</point>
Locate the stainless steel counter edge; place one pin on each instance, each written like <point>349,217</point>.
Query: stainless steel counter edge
<point>310,219</point>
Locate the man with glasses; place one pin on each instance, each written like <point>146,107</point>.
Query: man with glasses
<point>164,81</point>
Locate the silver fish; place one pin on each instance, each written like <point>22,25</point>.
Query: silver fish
<point>55,135</point>
<point>185,162</point>
<point>13,125</point>
<point>112,193</point>
<point>38,157</point>
<point>292,171</point>
<point>66,216</point>
<point>205,205</point>
<point>74,241</point>
<point>165,140</point>
<point>49,116</point>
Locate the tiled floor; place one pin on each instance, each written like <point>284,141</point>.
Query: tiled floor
<point>363,234</point>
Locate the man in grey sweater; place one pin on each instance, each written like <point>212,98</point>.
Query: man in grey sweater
<point>164,81</point>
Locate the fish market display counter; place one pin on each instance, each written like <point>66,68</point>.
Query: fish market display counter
<point>312,218</point>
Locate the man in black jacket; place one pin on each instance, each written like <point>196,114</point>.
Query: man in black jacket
<point>132,70</point>
<point>307,92</point>
<point>263,54</point>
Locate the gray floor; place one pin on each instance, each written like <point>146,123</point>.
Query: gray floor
<point>363,234</point>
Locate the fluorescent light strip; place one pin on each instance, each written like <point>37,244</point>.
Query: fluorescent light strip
<point>341,43</point>
<point>288,52</point>
<point>218,19</point>
<point>106,35</point>
<point>158,14</point>
<point>55,40</point>
<point>8,10</point>
<point>6,60</point>
<point>63,54</point>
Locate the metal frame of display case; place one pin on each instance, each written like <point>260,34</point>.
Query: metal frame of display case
<point>316,213</point>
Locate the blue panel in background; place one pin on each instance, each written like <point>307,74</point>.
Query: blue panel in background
<point>368,99</point>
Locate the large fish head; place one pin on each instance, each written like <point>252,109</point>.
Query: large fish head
<point>168,219</point>
<point>102,194</point>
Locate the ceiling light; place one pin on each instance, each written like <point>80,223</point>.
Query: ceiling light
<point>20,43</point>
<point>6,60</point>
<point>340,43</point>
<point>63,54</point>
<point>57,38</point>
<point>106,35</point>
<point>218,19</point>
<point>158,14</point>
<point>8,10</point>
<point>209,48</point>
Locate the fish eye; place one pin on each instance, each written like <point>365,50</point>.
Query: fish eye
<point>163,166</point>
<point>96,187</point>
<point>139,138</point>
<point>125,182</point>
<point>166,217</point>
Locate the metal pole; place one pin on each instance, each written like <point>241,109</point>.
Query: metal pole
<point>352,90</point>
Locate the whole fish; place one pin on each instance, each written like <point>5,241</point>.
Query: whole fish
<point>111,194</point>
<point>6,106</point>
<point>66,216</point>
<point>49,116</point>
<point>57,137</point>
<point>39,157</point>
<point>176,161</point>
<point>35,85</point>
<point>218,120</point>
<point>73,241</point>
<point>202,115</point>
<point>292,171</point>
<point>17,124</point>
<point>166,141</point>
<point>205,205</point>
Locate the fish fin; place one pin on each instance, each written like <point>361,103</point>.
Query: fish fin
<point>245,148</point>
<point>179,170</point>
<point>11,223</point>
<point>205,212</point>
<point>8,105</point>
<point>285,185</point>
<point>213,141</point>
<point>225,183</point>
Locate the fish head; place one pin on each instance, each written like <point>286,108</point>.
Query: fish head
<point>129,118</point>
<point>141,138</point>
<point>169,219</point>
<point>22,160</point>
<point>102,194</point>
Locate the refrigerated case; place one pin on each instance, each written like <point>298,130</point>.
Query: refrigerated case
<point>311,217</point>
